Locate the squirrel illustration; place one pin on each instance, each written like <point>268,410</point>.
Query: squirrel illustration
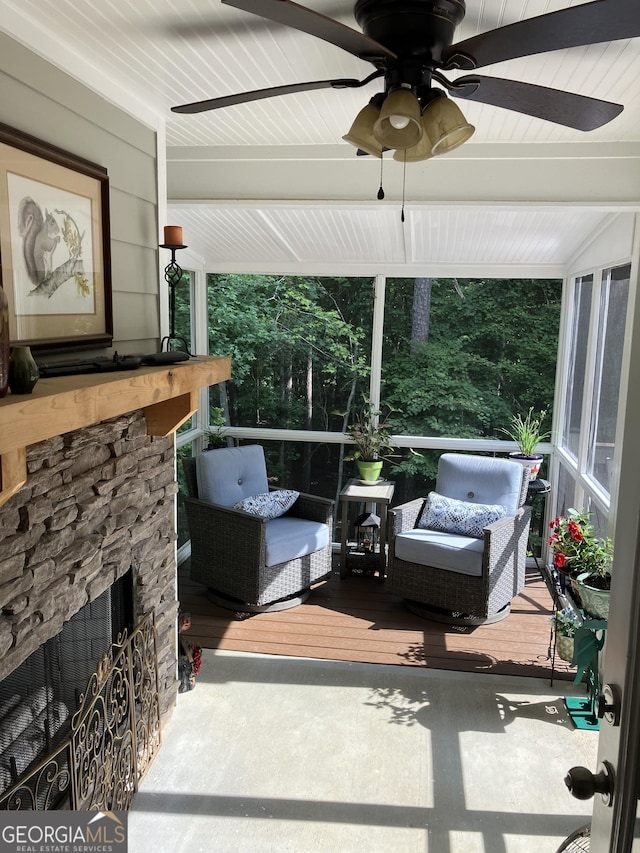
<point>40,236</point>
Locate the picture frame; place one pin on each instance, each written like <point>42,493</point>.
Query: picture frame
<point>55,259</point>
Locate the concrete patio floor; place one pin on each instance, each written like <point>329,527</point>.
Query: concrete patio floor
<point>274,754</point>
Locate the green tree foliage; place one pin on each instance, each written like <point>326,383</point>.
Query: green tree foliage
<point>491,352</point>
<point>300,348</point>
<point>296,342</point>
<point>460,357</point>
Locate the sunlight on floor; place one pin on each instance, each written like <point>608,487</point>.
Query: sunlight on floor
<point>284,754</point>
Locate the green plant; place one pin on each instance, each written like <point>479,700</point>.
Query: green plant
<point>565,622</point>
<point>527,431</point>
<point>577,549</point>
<point>370,432</point>
<point>216,436</point>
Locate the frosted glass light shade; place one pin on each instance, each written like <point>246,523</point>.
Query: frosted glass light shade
<point>400,106</point>
<point>361,131</point>
<point>421,151</point>
<point>446,125</point>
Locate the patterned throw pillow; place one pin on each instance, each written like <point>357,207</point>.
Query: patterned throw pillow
<point>269,504</point>
<point>461,517</point>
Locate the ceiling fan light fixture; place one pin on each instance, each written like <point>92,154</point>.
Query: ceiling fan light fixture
<point>399,125</point>
<point>446,125</point>
<point>361,132</point>
<point>421,151</point>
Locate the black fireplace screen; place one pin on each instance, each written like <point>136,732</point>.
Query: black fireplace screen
<point>84,701</point>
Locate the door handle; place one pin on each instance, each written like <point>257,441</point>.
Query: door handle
<point>583,784</point>
<point>609,703</point>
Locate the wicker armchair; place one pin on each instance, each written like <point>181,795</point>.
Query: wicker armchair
<point>456,577</point>
<point>247,562</point>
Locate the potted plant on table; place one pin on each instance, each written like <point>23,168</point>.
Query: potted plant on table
<point>565,624</point>
<point>585,557</point>
<point>371,435</point>
<point>527,432</point>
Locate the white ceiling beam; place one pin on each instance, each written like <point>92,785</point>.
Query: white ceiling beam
<point>588,178</point>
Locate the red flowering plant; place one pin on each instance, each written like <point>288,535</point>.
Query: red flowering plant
<point>577,550</point>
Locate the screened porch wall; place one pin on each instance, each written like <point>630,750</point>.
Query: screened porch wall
<point>611,248</point>
<point>593,368</point>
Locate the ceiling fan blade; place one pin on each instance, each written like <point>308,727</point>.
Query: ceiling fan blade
<point>590,23</point>
<point>200,27</point>
<point>571,110</point>
<point>259,94</point>
<point>314,24</point>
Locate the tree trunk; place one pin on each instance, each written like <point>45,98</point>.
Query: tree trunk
<point>421,311</point>
<point>306,447</point>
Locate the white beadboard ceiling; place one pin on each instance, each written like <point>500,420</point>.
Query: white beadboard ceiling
<point>466,242</point>
<point>148,55</point>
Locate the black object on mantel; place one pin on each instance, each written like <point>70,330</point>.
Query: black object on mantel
<point>165,357</point>
<point>101,364</point>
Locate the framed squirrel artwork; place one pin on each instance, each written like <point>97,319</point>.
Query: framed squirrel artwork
<point>54,244</point>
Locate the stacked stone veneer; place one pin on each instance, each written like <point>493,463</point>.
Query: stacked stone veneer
<point>97,502</point>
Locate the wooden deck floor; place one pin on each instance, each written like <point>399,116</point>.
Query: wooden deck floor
<point>357,619</point>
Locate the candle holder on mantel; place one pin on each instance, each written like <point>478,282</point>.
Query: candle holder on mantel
<point>173,275</point>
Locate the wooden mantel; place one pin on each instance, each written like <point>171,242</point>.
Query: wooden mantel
<point>168,395</point>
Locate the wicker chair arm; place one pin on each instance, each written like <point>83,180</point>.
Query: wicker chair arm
<point>234,537</point>
<point>313,508</point>
<point>224,513</point>
<point>404,517</point>
<point>508,521</point>
<point>507,534</point>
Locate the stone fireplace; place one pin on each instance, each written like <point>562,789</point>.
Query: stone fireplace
<point>98,502</point>
<point>93,505</point>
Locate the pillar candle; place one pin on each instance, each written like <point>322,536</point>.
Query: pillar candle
<point>173,235</point>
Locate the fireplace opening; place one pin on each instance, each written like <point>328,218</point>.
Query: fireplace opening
<point>38,700</point>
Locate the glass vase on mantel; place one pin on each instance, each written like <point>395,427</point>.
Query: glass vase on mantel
<point>4,342</point>
<point>4,338</point>
<point>23,371</point>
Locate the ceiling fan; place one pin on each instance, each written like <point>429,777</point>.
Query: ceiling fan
<point>409,43</point>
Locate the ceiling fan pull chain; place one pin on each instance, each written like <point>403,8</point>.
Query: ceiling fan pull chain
<point>381,191</point>
<point>404,177</point>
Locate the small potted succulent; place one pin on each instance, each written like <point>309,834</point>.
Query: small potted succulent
<point>371,435</point>
<point>527,432</point>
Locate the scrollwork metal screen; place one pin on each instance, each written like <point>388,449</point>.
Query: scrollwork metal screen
<point>114,735</point>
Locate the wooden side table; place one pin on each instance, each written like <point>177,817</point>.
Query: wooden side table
<point>380,494</point>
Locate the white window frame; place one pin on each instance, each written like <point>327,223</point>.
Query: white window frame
<point>589,492</point>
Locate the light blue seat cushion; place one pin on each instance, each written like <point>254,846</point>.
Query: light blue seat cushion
<point>448,551</point>
<point>228,475</point>
<point>288,538</point>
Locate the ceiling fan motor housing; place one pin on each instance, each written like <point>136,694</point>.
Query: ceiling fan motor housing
<point>411,26</point>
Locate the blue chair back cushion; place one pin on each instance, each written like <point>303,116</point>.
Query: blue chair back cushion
<point>480,479</point>
<point>228,475</point>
